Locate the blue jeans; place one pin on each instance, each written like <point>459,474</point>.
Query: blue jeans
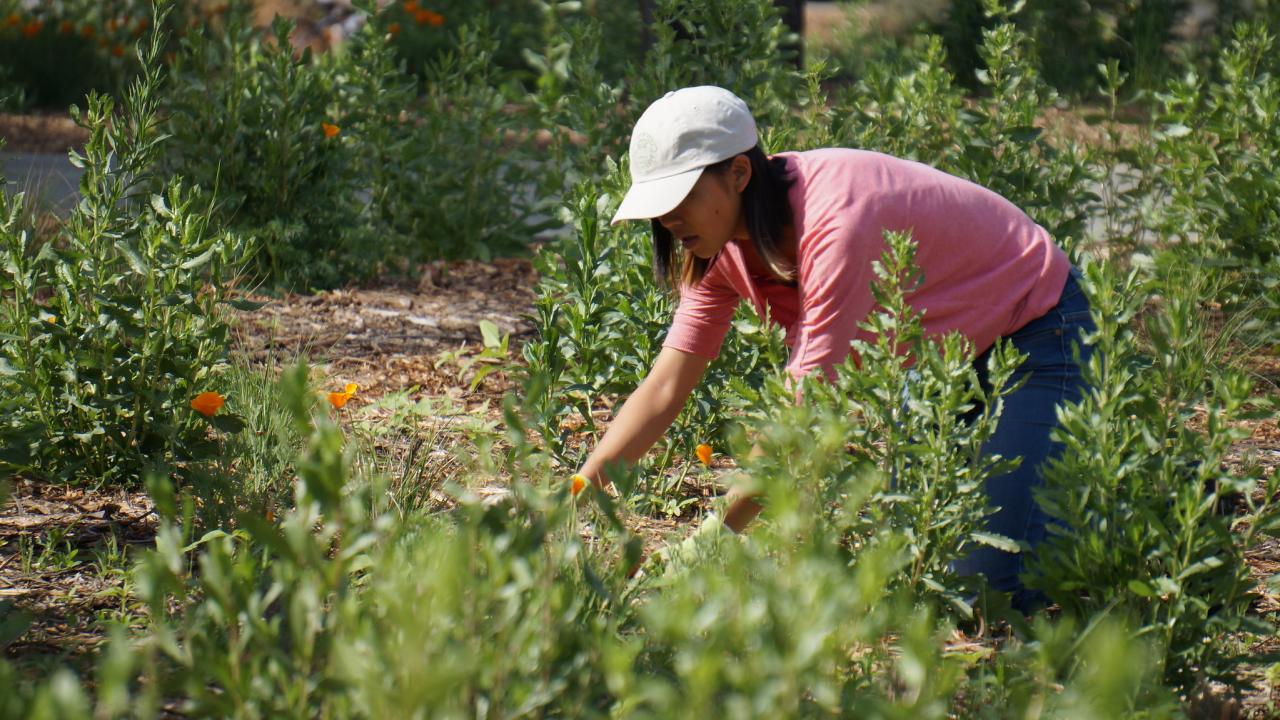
<point>1053,375</point>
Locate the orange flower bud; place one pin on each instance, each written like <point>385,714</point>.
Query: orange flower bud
<point>208,403</point>
<point>66,27</point>
<point>13,20</point>
<point>577,484</point>
<point>32,28</point>
<point>87,31</point>
<point>117,50</point>
<point>703,452</point>
<point>330,130</point>
<point>411,6</point>
<point>393,29</point>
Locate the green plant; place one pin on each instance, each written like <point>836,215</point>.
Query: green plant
<point>462,179</point>
<point>1154,524</point>
<point>733,44</point>
<point>917,412</point>
<point>115,325</point>
<point>1217,164</point>
<point>1072,38</point>
<point>492,356</point>
<point>266,133</point>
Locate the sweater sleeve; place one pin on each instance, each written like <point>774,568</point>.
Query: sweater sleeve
<point>703,316</point>
<point>835,277</point>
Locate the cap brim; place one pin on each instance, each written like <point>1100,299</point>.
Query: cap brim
<point>650,199</point>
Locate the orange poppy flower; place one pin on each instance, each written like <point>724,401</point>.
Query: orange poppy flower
<point>66,27</point>
<point>87,31</point>
<point>577,484</point>
<point>330,130</point>
<point>411,6</point>
<point>426,17</point>
<point>113,24</point>
<point>703,452</point>
<point>117,50</point>
<point>339,399</point>
<point>32,28</point>
<point>208,403</point>
<point>13,20</point>
<point>394,29</point>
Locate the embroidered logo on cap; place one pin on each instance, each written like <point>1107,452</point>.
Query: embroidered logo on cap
<point>644,151</point>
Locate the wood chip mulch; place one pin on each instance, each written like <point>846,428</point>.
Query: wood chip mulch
<point>403,337</point>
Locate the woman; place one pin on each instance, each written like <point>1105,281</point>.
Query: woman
<point>795,235</point>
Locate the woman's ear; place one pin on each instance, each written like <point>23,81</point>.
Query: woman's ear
<point>740,171</point>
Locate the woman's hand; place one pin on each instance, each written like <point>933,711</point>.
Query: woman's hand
<point>647,414</point>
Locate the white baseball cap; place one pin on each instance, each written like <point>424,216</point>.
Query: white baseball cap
<point>678,136</point>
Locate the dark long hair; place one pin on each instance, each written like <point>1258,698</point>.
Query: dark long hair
<point>768,212</point>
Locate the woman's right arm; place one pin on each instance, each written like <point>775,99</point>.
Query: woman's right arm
<point>647,414</point>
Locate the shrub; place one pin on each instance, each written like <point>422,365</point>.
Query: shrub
<point>424,32</point>
<point>460,177</point>
<point>338,608</point>
<point>249,123</point>
<point>1155,523</point>
<point>1216,163</point>
<point>113,326</point>
<point>913,410</point>
<point>336,166</point>
<point>1073,38</point>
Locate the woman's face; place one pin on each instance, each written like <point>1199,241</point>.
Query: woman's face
<point>711,214</point>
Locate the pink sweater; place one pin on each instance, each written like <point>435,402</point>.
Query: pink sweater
<point>988,268</point>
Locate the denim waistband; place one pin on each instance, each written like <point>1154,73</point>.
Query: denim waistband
<point>1072,287</point>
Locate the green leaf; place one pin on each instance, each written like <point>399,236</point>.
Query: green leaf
<point>1137,587</point>
<point>211,535</point>
<point>489,333</point>
<point>999,542</point>
<point>1210,563</point>
<point>199,260</point>
<point>132,257</point>
<point>230,424</point>
<point>1024,133</point>
<point>245,305</point>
